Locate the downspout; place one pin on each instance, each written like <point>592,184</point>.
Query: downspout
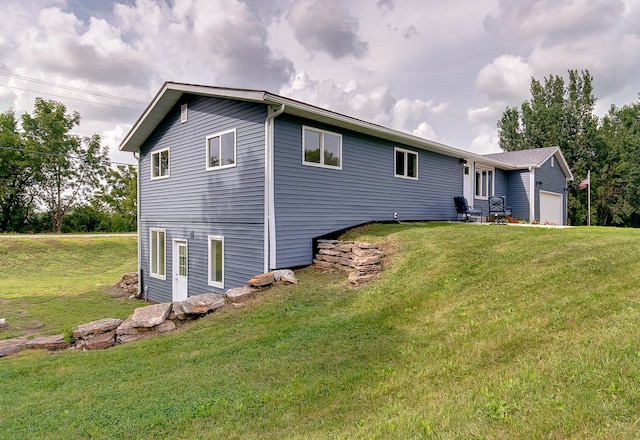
<point>269,239</point>
<point>140,278</point>
<point>532,193</point>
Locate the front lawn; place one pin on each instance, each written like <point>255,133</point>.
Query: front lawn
<point>472,332</point>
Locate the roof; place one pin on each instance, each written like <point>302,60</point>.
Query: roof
<point>171,92</point>
<point>532,158</point>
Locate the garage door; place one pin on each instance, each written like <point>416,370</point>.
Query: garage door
<point>551,208</point>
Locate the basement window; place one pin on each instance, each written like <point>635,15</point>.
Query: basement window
<point>216,261</point>
<point>158,253</point>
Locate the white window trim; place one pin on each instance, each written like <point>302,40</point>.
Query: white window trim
<point>235,150</point>
<point>553,162</point>
<point>209,281</point>
<point>490,191</point>
<point>151,255</point>
<point>166,176</point>
<point>406,162</point>
<point>321,164</point>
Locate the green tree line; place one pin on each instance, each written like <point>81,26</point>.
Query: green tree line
<point>52,180</point>
<point>561,113</point>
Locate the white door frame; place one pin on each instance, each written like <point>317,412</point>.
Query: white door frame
<point>180,284</point>
<point>467,183</point>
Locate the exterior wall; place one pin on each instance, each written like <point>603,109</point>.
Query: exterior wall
<point>551,179</point>
<point>500,188</point>
<point>518,190</point>
<point>312,201</point>
<point>194,203</point>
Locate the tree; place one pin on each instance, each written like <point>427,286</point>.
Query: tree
<point>16,177</point>
<point>70,168</point>
<point>618,191</point>
<point>557,115</point>
<point>119,198</point>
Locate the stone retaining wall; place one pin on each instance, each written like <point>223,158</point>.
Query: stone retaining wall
<point>362,260</point>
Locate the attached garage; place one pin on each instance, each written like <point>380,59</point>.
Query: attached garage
<point>551,208</point>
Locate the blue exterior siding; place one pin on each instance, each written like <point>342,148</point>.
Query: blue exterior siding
<point>312,201</point>
<point>518,190</point>
<point>227,202</point>
<point>551,179</point>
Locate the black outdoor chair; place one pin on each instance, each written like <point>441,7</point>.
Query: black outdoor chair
<point>498,209</point>
<point>462,208</point>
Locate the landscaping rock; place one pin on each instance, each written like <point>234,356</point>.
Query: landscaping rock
<point>55,342</point>
<point>240,293</point>
<point>127,285</point>
<point>127,332</point>
<point>197,305</point>
<point>150,316</point>
<point>285,275</point>
<point>11,346</point>
<point>98,342</point>
<point>262,280</point>
<point>86,331</point>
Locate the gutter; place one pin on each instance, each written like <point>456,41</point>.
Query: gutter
<point>269,252</point>
<point>140,280</point>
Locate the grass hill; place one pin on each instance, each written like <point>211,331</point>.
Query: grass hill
<point>472,332</point>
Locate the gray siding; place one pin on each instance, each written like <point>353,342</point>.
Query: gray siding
<point>312,201</point>
<point>518,193</point>
<point>226,202</point>
<point>551,179</point>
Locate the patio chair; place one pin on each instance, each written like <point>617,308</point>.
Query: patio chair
<point>498,209</point>
<point>462,208</point>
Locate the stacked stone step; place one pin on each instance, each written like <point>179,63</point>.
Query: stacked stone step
<point>362,260</point>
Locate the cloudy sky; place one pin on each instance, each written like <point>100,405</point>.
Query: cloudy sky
<point>445,70</point>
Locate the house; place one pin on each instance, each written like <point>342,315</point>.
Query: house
<point>236,182</point>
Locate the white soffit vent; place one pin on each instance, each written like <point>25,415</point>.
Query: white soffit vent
<point>183,113</point>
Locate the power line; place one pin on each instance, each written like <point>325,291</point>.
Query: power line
<point>45,153</point>
<point>75,89</point>
<point>68,97</point>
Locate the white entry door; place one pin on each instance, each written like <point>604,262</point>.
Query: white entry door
<point>551,208</point>
<point>180,270</point>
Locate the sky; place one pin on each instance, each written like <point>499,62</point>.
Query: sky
<point>442,69</point>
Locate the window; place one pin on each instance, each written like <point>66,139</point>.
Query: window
<point>406,164</point>
<point>158,253</point>
<point>553,162</point>
<point>216,261</point>
<point>321,148</point>
<point>160,164</point>
<point>221,150</point>
<point>484,182</point>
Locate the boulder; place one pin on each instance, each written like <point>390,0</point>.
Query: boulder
<point>11,346</point>
<point>85,331</point>
<point>127,332</point>
<point>150,316</point>
<point>98,342</point>
<point>197,305</point>
<point>285,275</point>
<point>240,293</point>
<point>55,342</point>
<point>262,280</point>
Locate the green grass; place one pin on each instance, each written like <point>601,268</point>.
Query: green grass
<point>49,285</point>
<point>472,332</point>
